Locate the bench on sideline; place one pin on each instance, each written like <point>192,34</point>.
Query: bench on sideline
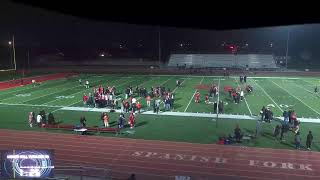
<point>89,129</point>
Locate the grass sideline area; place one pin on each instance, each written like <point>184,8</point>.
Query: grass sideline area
<point>282,93</point>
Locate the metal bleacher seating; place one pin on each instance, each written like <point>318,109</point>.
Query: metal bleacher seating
<point>223,60</point>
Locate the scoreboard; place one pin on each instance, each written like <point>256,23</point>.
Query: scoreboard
<point>17,164</point>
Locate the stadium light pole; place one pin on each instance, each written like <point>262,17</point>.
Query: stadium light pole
<point>159,45</point>
<point>11,43</point>
<point>287,49</point>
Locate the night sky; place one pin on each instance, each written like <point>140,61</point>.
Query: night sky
<point>38,28</point>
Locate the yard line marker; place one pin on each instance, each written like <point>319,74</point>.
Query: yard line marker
<point>297,98</point>
<point>56,92</point>
<point>48,94</point>
<point>38,89</point>
<point>268,96</point>
<point>244,98</point>
<point>193,95</point>
<point>85,90</point>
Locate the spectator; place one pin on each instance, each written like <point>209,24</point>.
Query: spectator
<point>31,118</point>
<point>285,116</point>
<point>220,107</point>
<point>157,105</point>
<point>51,120</point>
<point>297,140</point>
<point>284,129</point>
<point>133,104</point>
<point>309,140</point>
<point>121,121</point>
<point>215,107</point>
<point>138,107</point>
<point>241,95</point>
<point>262,113</point>
<point>83,121</point>
<point>122,106</point>
<point>237,133</point>
<point>106,120</point>
<point>39,119</point>
<point>148,100</point>
<point>276,131</point>
<point>43,117</point>
<point>258,128</point>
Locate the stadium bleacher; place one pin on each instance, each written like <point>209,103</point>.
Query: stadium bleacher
<point>257,61</point>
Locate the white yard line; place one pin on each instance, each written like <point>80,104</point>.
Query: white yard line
<point>193,95</point>
<point>48,94</point>
<point>217,109</point>
<point>245,99</point>
<point>187,114</point>
<point>30,105</point>
<point>174,90</point>
<point>77,93</point>
<point>307,89</point>
<point>297,98</point>
<point>268,95</point>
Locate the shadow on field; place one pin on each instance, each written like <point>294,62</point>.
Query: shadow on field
<point>141,123</point>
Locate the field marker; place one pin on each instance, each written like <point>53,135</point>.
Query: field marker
<point>193,95</point>
<point>48,94</point>
<point>244,99</point>
<point>268,96</point>
<point>38,89</point>
<point>296,98</point>
<point>58,92</point>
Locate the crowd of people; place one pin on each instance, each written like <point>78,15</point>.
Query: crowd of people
<point>41,119</point>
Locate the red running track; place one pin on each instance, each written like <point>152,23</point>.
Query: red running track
<point>28,80</point>
<point>159,160</point>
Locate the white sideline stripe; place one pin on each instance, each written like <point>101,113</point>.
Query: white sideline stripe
<point>193,95</point>
<point>268,95</point>
<point>244,98</point>
<point>184,114</point>
<point>252,77</point>
<point>296,98</point>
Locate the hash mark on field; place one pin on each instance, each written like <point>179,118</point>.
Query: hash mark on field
<point>296,98</point>
<point>70,94</point>
<point>193,95</point>
<point>268,96</point>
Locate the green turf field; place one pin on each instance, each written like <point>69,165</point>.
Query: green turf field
<point>278,93</point>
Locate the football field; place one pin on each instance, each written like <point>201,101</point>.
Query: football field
<point>188,121</point>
